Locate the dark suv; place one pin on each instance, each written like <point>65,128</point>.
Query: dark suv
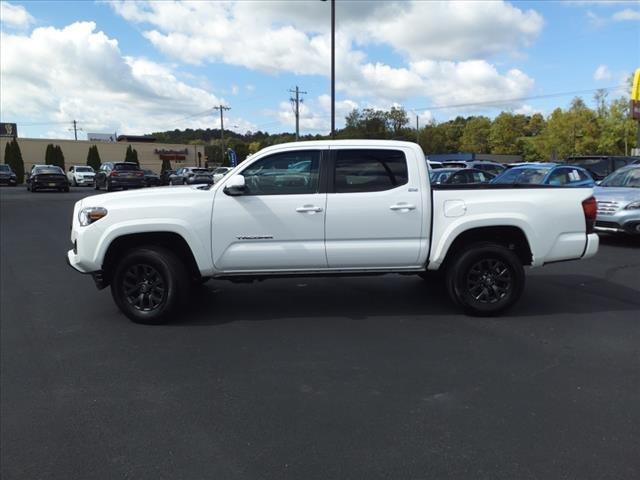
<point>7,177</point>
<point>599,166</point>
<point>114,175</point>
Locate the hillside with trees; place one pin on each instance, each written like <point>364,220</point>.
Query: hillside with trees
<point>577,129</point>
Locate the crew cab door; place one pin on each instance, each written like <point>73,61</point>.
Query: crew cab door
<point>278,222</point>
<point>374,208</point>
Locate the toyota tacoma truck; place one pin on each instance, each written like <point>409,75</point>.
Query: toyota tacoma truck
<point>336,207</point>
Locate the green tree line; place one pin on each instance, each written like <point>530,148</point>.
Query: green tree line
<point>576,130</point>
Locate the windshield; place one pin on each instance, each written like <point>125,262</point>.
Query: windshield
<point>221,170</point>
<point>199,170</point>
<point>522,176</point>
<point>126,166</point>
<point>84,169</point>
<point>48,170</point>
<point>599,166</point>
<point>624,178</point>
<point>441,175</point>
<point>4,168</point>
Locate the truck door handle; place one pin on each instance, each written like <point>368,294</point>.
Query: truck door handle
<point>308,209</point>
<point>403,207</point>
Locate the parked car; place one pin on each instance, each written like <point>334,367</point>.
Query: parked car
<point>191,176</point>
<point>151,178</point>
<point>618,198</point>
<point>434,165</point>
<point>220,172</point>
<point>123,175</point>
<point>79,175</point>
<point>599,166</point>
<point>164,176</point>
<point>7,177</point>
<point>493,168</point>
<point>47,177</point>
<point>546,174</point>
<point>459,176</point>
<point>368,207</point>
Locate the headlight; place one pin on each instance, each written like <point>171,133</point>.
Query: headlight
<point>633,206</point>
<point>88,215</point>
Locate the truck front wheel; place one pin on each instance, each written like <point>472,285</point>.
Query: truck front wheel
<point>149,284</point>
<point>485,279</point>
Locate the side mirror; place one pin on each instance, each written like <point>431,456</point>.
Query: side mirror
<point>235,186</point>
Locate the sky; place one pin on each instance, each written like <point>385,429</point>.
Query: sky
<point>145,66</point>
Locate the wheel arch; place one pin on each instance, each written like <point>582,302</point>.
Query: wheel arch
<point>511,237</point>
<point>172,241</point>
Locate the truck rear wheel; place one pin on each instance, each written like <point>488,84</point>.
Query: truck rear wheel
<point>149,284</point>
<point>485,279</point>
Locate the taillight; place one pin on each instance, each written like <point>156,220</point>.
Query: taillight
<point>113,174</point>
<point>140,174</point>
<point>590,209</point>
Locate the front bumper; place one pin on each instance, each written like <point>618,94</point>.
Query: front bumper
<point>84,181</point>
<point>98,276</point>
<point>8,181</point>
<point>622,221</point>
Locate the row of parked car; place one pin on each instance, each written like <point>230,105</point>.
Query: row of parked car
<point>110,176</point>
<point>616,182</point>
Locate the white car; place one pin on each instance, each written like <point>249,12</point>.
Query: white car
<point>81,175</point>
<point>345,207</point>
<point>220,172</point>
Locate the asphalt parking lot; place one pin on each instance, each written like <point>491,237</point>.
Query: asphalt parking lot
<point>313,378</point>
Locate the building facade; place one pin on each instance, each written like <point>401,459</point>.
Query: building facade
<point>150,155</point>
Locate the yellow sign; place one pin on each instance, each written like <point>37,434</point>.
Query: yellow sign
<point>635,89</point>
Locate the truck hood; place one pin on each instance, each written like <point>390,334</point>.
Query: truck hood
<point>617,194</point>
<point>145,197</point>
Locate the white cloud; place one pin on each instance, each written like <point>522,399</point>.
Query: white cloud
<point>15,16</point>
<point>79,73</point>
<point>602,73</point>
<point>292,37</point>
<point>626,14</point>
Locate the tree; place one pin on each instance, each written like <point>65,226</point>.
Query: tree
<point>506,129</point>
<point>93,158</point>
<point>397,119</point>
<point>48,155</point>
<point>131,155</point>
<point>13,158</point>
<point>166,165</point>
<point>54,156</point>
<point>475,135</point>
<point>58,157</point>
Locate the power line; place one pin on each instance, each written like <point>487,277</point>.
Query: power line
<point>520,99</point>
<point>297,100</point>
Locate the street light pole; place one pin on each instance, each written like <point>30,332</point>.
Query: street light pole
<point>333,69</point>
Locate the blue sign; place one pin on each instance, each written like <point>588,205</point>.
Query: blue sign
<point>233,159</point>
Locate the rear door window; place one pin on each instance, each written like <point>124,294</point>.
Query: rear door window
<point>369,170</point>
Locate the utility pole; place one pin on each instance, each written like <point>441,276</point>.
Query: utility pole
<point>222,108</point>
<point>75,129</point>
<point>297,101</point>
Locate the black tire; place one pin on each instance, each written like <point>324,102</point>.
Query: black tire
<point>75,182</point>
<point>485,279</point>
<point>143,272</point>
<point>108,186</point>
<point>95,184</point>
<point>65,189</point>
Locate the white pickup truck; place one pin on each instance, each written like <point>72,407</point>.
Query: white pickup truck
<point>344,207</point>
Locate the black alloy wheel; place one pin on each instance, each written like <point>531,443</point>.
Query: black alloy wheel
<point>144,287</point>
<point>149,283</point>
<point>489,280</point>
<point>485,278</point>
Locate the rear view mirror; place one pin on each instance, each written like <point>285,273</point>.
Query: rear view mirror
<point>235,186</point>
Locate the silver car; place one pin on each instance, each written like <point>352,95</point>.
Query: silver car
<point>618,197</point>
